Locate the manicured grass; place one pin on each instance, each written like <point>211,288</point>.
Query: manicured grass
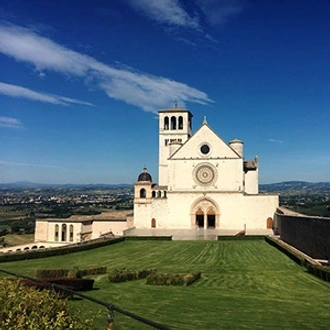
<point>244,285</point>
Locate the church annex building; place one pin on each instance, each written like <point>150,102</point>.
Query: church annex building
<point>203,182</point>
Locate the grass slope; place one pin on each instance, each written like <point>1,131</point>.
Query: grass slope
<point>244,285</point>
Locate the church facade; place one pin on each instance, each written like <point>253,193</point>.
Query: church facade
<point>204,182</point>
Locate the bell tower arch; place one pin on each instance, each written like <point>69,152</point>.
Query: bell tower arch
<point>175,125</point>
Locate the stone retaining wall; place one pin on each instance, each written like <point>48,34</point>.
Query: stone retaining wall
<point>308,234</point>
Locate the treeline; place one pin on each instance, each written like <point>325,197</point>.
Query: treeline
<point>19,226</point>
<point>313,205</point>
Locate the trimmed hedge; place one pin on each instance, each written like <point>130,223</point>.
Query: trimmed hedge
<point>46,286</point>
<point>92,271</point>
<point>148,238</point>
<point>173,279</point>
<point>239,238</point>
<point>124,275</point>
<point>75,284</point>
<point>75,273</point>
<point>53,273</point>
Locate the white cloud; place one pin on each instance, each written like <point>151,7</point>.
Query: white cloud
<point>125,84</point>
<point>18,91</point>
<point>10,122</point>
<point>274,141</point>
<point>218,12</point>
<point>168,12</point>
<point>210,38</point>
<point>173,15</point>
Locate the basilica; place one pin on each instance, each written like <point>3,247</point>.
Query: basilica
<point>204,182</point>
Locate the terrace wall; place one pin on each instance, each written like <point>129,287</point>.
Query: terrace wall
<point>306,233</point>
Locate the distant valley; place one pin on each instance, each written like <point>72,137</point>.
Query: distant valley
<point>296,186</point>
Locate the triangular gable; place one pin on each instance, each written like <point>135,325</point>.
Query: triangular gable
<point>205,135</point>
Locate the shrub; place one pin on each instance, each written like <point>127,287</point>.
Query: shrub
<point>24,308</point>
<point>75,284</point>
<point>173,279</point>
<point>148,238</point>
<point>73,273</point>
<point>53,273</point>
<point>123,275</point>
<point>93,271</point>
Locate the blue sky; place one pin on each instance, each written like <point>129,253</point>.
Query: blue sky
<point>81,84</point>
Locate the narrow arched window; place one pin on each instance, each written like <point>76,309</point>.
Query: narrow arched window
<point>63,237</point>
<point>153,194</point>
<point>158,193</point>
<point>173,122</point>
<point>56,233</point>
<point>180,124</point>
<point>165,194</point>
<point>166,123</point>
<point>143,193</point>
<point>71,233</point>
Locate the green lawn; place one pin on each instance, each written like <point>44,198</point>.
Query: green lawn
<point>244,285</point>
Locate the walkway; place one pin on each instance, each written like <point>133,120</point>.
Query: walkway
<point>193,234</point>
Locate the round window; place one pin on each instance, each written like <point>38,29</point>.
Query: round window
<point>205,149</point>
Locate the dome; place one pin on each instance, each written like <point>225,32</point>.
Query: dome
<point>144,176</point>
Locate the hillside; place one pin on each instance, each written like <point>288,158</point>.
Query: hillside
<point>296,186</point>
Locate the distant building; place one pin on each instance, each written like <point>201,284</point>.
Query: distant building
<point>203,182</point>
<point>78,228</point>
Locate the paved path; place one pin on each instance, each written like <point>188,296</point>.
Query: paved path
<point>193,234</point>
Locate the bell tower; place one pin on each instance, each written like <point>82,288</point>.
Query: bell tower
<point>175,126</point>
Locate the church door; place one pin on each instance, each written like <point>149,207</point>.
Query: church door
<point>205,214</point>
<point>153,223</point>
<point>269,223</point>
<point>200,218</point>
<point>210,220</point>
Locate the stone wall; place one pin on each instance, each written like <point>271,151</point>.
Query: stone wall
<point>310,235</point>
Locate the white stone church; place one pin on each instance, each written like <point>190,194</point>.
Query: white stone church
<point>203,182</point>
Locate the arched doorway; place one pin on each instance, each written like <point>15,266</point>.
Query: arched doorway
<point>205,214</point>
<point>153,223</point>
<point>199,218</point>
<point>269,223</point>
<point>211,218</point>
